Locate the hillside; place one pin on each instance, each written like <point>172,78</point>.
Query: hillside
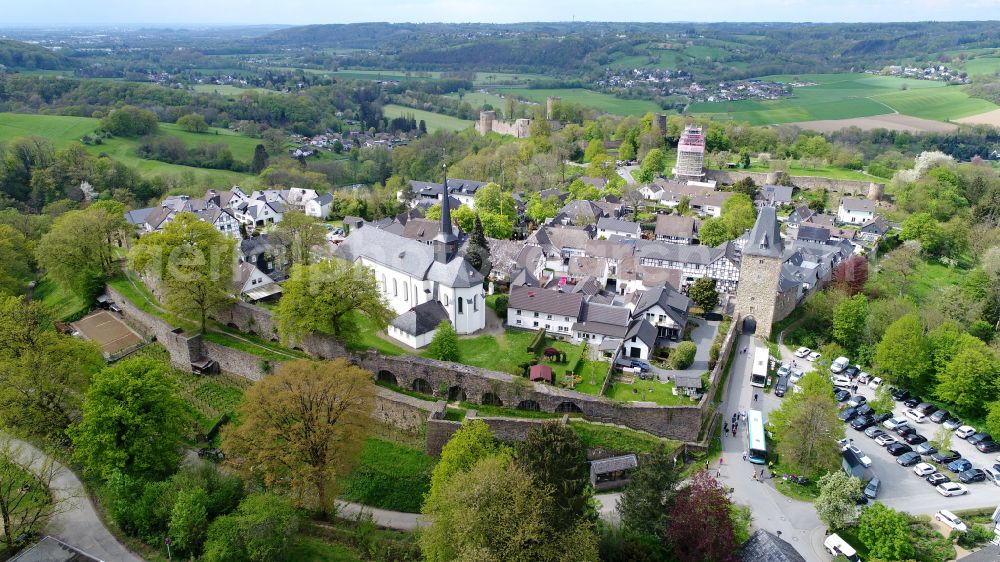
<point>23,56</point>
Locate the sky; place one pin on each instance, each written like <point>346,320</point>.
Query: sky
<point>299,12</point>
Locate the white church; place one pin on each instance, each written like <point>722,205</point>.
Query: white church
<point>423,283</point>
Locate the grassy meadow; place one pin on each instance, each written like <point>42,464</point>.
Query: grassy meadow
<point>601,102</point>
<point>435,121</point>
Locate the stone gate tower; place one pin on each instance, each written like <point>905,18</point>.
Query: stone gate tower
<point>760,272</point>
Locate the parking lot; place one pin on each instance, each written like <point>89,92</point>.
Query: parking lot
<point>902,489</point>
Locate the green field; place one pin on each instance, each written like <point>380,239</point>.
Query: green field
<point>222,89</point>
<point>479,99</point>
<point>435,121</point>
<point>983,66</point>
<point>843,96</point>
<point>62,130</point>
<point>601,102</point>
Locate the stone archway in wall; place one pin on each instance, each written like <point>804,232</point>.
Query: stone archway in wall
<point>422,386</point>
<point>491,399</point>
<point>749,325</point>
<point>568,408</point>
<point>386,376</point>
<point>456,394</point>
<point>529,405</point>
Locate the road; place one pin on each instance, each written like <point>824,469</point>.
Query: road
<point>383,517</point>
<point>78,525</point>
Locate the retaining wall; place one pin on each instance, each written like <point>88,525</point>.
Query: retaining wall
<point>440,430</point>
<point>183,348</point>
<point>404,412</point>
<point>851,187</point>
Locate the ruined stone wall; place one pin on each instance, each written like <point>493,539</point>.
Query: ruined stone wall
<point>847,187</point>
<point>440,430</point>
<point>236,362</point>
<point>488,122</point>
<point>404,412</point>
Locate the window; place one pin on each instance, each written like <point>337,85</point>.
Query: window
<point>566,318</point>
<point>519,312</point>
<point>446,300</point>
<point>459,301</point>
<point>549,317</point>
<point>518,321</point>
<point>395,288</point>
<point>406,291</point>
<point>548,327</point>
<point>536,323</point>
<point>475,303</point>
<point>536,315</point>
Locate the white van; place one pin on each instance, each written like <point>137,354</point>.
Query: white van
<point>839,364</point>
<point>916,416</point>
<point>837,546</point>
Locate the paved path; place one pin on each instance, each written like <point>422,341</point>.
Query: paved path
<point>383,517</point>
<point>702,336</point>
<point>79,525</point>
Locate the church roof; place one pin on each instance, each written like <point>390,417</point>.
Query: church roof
<point>421,319</point>
<point>408,256</point>
<point>765,237</point>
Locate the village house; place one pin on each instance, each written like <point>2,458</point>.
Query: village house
<point>252,284</point>
<point>464,191</point>
<point>694,262</point>
<point>853,210</point>
<point>556,311</point>
<point>710,204</point>
<point>664,308</point>
<point>608,227</point>
<point>774,196</point>
<point>580,213</point>
<point>319,206</point>
<point>676,229</point>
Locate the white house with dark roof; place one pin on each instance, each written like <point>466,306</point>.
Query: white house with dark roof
<point>259,212</point>
<point>319,206</point>
<point>664,308</point>
<point>600,321</point>
<point>774,195</point>
<point>580,213</point>
<point>464,191</point>
<point>532,308</point>
<point>710,203</point>
<point>640,340</point>
<point>720,263</point>
<point>417,326</point>
<point>252,284</point>
<point>222,219</point>
<point>410,273</point>
<point>854,210</point>
<point>676,229</point>
<point>608,227</point>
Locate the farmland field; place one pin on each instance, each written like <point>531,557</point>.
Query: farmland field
<point>222,89</point>
<point>601,102</point>
<point>846,96</point>
<point>478,99</point>
<point>62,130</point>
<point>982,66</point>
<point>435,121</point>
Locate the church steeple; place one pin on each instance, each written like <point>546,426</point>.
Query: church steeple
<point>445,243</point>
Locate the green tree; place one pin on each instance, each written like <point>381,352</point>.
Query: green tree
<point>946,339</point>
<point>497,226</point>
<point>189,520</point>
<point>326,296</point>
<point>683,355</point>
<point>464,217</point>
<point>713,232</point>
<point>478,250</point>
<point>704,294</point>
<point>297,234</point>
<point>849,319</point>
<point>193,263</point>
<point>554,455</point>
<point>903,357</point>
<point>27,499</point>
<point>923,228</point>
<point>472,442</point>
<point>302,428</point>
<point>492,198</point>
<point>652,166</point>
<point>78,253</point>
<point>807,428</point>
<point>738,214</point>
<point>133,421</point>
<point>444,345</point>
<point>193,123</point>
<point>646,500</point>
<point>16,255</point>
<point>496,511</point>
<point>970,379</point>
<point>594,148</point>
<point>130,121</point>
<point>259,159</point>
<point>538,209</point>
<point>886,533</point>
<point>261,530</point>
<point>836,505</point>
<point>942,437</point>
<point>746,186</point>
<point>882,403</point>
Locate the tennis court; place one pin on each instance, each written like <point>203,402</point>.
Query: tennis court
<point>108,331</point>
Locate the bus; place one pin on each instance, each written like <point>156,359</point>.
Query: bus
<point>761,357</point>
<point>756,440</point>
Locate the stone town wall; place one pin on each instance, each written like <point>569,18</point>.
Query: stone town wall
<point>440,430</point>
<point>183,348</point>
<point>488,122</point>
<point>404,412</point>
<point>236,362</point>
<point>847,187</point>
<point>258,320</point>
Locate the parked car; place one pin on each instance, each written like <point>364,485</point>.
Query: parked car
<point>875,383</point>
<point>841,395</point>
<point>915,416</point>
<point>796,375</point>
<point>865,410</point>
<point>988,446</point>
<point>844,443</point>
<point>939,416</point>
<point>802,352</point>
<point>885,439</point>
<point>979,438</point>
<point>972,475</point>
<point>896,449</point>
<point>926,408</point>
<point>814,356</point>
<point>861,423</point>
<point>905,430</point>
<point>874,432</point>
<point>852,372</point>
<point>951,520</point>
<point>912,402</point>
<point>863,458</point>
<point>959,465</point>
<point>925,448</point>
<point>945,457</point>
<point>937,478</point>
<point>841,381</point>
<point>637,364</point>
<point>992,475</point>
<point>952,423</point>
<point>880,418</point>
<point>839,364</point>
<point>871,489</point>
<point>837,546</point>
<point>923,470</point>
<point>965,432</point>
<point>856,401</point>
<point>915,439</point>
<point>893,423</point>
<point>781,387</point>
<point>899,394</point>
<point>783,369</point>
<point>952,489</point>
<point>864,378</point>
<point>908,459</point>
<point>847,414</point>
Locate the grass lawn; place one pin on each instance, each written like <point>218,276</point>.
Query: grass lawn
<point>601,102</point>
<point>227,90</point>
<point>941,104</point>
<point>982,66</point>
<point>479,99</point>
<point>487,411</point>
<point>434,121</point>
<point>930,276</point>
<point>267,351</point>
<point>796,168</point>
<point>618,438</point>
<point>61,304</point>
<point>368,338</point>
<point>648,391</point>
<point>309,549</point>
<point>390,476</point>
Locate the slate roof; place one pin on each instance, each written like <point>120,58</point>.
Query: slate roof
<point>579,210</point>
<point>324,199</point>
<point>50,549</point>
<point>618,225</point>
<point>765,236</point>
<point>582,266</point>
<point>857,204</point>
<point>408,256</point>
<point>644,331</point>
<point>603,319</point>
<point>675,226</point>
<point>682,253</point>
<point>243,272</point>
<point>588,286</point>
<point>553,239</point>
<point>609,344</point>
<point>673,303</point>
<point>255,245</point>
<point>781,194</point>
<point>877,225</point>
<point>524,277</point>
<point>137,217</point>
<point>599,183</point>
<point>685,380</point>
<point>711,198</point>
<point>989,553</point>
<point>546,300</point>
<point>421,229</point>
<point>816,233</point>
<point>613,464</point>
<point>763,546</point>
<point>155,219</point>
<point>421,319</point>
<point>428,189</point>
<point>212,214</point>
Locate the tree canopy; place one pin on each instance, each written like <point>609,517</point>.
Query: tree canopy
<point>806,427</point>
<point>78,253</point>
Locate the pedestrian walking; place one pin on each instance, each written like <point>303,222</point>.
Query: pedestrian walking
<point>720,461</point>
<point>718,474</point>
<point>725,427</point>
<point>744,456</point>
<point>755,397</point>
<point>706,465</point>
<point>762,475</point>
